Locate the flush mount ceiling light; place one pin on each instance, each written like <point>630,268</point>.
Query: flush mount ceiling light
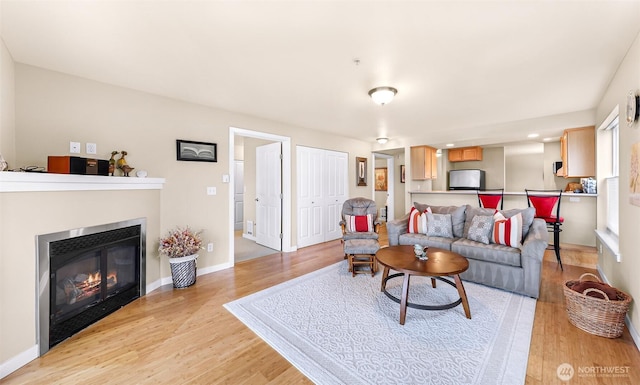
<point>382,95</point>
<point>382,140</point>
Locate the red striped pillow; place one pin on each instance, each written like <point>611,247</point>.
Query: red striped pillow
<point>359,223</point>
<point>507,231</point>
<point>418,221</point>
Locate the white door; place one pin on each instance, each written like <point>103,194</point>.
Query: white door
<point>322,189</point>
<point>310,198</point>
<point>238,195</point>
<point>269,195</point>
<point>335,192</point>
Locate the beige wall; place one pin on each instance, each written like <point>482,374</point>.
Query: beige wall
<point>624,274</point>
<point>52,109</point>
<point>7,106</point>
<point>27,214</point>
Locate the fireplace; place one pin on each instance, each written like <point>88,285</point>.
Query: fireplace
<point>86,274</point>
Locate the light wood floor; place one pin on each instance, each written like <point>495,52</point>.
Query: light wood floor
<point>185,336</point>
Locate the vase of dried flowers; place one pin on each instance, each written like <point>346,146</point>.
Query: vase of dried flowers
<point>181,245</point>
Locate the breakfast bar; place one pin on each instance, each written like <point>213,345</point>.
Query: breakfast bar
<point>578,210</point>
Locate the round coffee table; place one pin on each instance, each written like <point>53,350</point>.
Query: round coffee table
<point>441,263</point>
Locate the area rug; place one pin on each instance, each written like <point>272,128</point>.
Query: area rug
<point>339,329</point>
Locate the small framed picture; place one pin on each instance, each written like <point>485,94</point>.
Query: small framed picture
<point>381,179</point>
<point>361,171</point>
<point>196,151</point>
<point>402,173</point>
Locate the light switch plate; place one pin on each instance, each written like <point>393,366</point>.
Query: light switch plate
<point>74,147</point>
<point>92,148</point>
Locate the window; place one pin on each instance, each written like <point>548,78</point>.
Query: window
<point>612,181</point>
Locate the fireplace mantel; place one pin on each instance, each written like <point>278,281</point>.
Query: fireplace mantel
<point>34,181</point>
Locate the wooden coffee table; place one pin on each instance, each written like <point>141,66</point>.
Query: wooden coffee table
<point>441,263</point>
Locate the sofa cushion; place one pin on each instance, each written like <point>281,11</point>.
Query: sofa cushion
<point>417,221</point>
<point>420,239</point>
<point>480,229</point>
<point>527,217</point>
<point>507,231</point>
<point>457,215</point>
<point>490,253</point>
<point>439,225</point>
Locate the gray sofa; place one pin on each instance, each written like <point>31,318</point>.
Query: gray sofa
<point>515,269</point>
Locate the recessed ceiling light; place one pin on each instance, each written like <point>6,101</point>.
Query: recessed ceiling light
<point>450,144</point>
<point>533,135</point>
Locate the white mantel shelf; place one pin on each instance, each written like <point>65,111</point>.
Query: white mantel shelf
<point>35,181</point>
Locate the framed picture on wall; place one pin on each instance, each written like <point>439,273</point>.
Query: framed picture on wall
<point>361,171</point>
<point>381,179</point>
<point>402,173</point>
<point>196,151</point>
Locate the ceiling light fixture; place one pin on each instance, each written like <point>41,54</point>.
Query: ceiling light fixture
<point>382,95</point>
<point>450,144</point>
<point>533,136</point>
<point>382,140</point>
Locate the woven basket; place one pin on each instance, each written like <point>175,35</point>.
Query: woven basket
<point>602,317</point>
<point>183,271</point>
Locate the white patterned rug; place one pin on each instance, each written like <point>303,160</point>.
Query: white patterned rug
<point>338,329</point>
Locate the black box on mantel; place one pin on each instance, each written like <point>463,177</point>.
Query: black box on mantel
<point>77,165</point>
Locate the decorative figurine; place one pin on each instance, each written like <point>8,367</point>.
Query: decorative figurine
<point>126,169</point>
<point>112,163</point>
<point>420,252</point>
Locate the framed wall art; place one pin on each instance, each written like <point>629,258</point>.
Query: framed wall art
<point>361,171</point>
<point>196,151</point>
<point>381,179</point>
<point>402,173</point>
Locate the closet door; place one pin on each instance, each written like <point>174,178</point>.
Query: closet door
<point>335,192</point>
<point>310,200</point>
<point>322,189</point>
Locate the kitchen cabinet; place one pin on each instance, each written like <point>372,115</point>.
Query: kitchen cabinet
<point>465,154</point>
<point>424,163</point>
<point>578,152</point>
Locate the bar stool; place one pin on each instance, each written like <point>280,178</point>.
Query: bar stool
<point>544,202</point>
<point>490,198</point>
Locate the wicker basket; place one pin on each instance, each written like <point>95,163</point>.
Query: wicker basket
<point>601,317</point>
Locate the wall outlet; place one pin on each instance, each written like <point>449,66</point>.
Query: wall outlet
<point>209,247</point>
<point>74,147</point>
<point>92,148</point>
<point>211,191</point>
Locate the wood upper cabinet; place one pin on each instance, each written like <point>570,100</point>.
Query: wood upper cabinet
<point>464,154</point>
<point>424,163</point>
<point>578,152</point>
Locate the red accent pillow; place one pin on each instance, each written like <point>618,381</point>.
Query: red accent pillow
<point>417,221</point>
<point>490,201</point>
<point>359,223</point>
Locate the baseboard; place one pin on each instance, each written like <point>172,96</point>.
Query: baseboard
<point>249,236</point>
<point>153,286</point>
<point>16,362</point>
<point>632,330</point>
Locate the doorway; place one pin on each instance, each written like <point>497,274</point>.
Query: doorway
<point>239,134</point>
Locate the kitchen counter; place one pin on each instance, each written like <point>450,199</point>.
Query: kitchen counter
<point>577,209</point>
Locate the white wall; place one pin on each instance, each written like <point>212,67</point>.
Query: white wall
<point>624,274</point>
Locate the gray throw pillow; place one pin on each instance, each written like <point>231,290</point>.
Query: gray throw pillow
<point>439,225</point>
<point>457,215</point>
<point>480,229</point>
